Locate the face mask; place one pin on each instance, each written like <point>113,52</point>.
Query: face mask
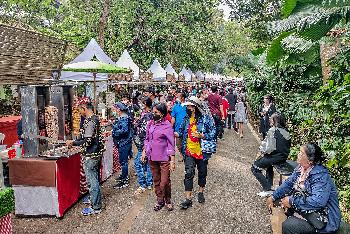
<point>156,117</point>
<point>178,100</point>
<point>189,112</point>
<point>114,114</point>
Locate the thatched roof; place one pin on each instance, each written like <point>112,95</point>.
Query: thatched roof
<point>27,57</point>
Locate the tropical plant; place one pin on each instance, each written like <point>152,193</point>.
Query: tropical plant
<point>304,23</point>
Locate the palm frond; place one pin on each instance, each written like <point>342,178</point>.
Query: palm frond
<point>296,44</point>
<point>313,22</point>
<point>275,51</point>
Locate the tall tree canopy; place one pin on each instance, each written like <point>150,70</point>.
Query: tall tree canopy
<point>179,31</point>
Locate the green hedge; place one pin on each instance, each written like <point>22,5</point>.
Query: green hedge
<point>7,201</point>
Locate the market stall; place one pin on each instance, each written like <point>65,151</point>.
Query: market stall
<point>55,171</point>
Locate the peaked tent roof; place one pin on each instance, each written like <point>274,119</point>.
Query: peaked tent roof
<point>91,50</point>
<point>185,73</point>
<point>126,61</point>
<point>200,75</point>
<point>159,74</point>
<point>170,70</point>
<point>190,72</point>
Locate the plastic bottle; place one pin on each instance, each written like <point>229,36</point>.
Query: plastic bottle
<point>18,149</point>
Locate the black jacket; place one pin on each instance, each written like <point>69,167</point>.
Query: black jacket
<point>232,100</point>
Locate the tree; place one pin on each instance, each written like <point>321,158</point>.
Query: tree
<point>254,14</point>
<point>103,22</point>
<point>179,31</point>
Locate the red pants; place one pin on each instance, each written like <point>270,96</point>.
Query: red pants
<point>161,180</point>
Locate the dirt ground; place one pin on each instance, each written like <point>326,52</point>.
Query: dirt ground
<point>231,206</point>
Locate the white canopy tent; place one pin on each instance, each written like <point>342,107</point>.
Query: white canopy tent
<point>126,61</point>
<point>200,75</point>
<point>91,50</point>
<point>185,73</point>
<point>171,71</point>
<point>159,74</point>
<point>190,72</point>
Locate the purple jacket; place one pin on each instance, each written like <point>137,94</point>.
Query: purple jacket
<point>160,141</point>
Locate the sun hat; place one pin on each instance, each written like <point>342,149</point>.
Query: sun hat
<point>194,101</point>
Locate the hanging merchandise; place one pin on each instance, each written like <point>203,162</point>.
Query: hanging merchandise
<point>76,120</point>
<point>51,121</point>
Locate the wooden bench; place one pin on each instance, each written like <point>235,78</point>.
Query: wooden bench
<point>285,169</point>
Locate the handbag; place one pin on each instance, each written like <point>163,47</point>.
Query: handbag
<point>317,218</point>
<point>208,146</point>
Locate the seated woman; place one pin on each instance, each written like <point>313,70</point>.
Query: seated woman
<point>312,199</point>
<point>274,149</point>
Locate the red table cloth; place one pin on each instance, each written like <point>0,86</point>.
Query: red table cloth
<point>8,126</point>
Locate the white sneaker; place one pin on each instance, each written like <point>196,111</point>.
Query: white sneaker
<point>264,194</point>
<point>140,190</point>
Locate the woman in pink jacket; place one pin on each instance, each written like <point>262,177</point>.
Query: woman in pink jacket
<point>159,149</point>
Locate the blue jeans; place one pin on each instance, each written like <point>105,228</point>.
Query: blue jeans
<point>143,170</point>
<point>92,170</point>
<point>124,152</point>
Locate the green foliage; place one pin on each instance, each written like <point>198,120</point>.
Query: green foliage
<point>315,113</point>
<point>288,7</point>
<point>310,20</point>
<point>9,105</point>
<point>178,31</point>
<point>276,51</point>
<point>7,201</point>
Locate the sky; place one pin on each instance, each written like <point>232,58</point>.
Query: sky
<point>226,10</point>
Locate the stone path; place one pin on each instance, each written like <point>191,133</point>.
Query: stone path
<point>231,203</point>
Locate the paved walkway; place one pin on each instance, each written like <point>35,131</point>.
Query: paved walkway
<point>231,203</point>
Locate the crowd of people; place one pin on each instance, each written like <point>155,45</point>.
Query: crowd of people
<point>186,124</point>
<point>189,120</point>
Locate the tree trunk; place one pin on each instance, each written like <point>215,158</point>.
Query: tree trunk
<point>103,23</point>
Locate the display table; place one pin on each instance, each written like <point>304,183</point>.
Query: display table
<point>45,187</point>
<point>8,126</point>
